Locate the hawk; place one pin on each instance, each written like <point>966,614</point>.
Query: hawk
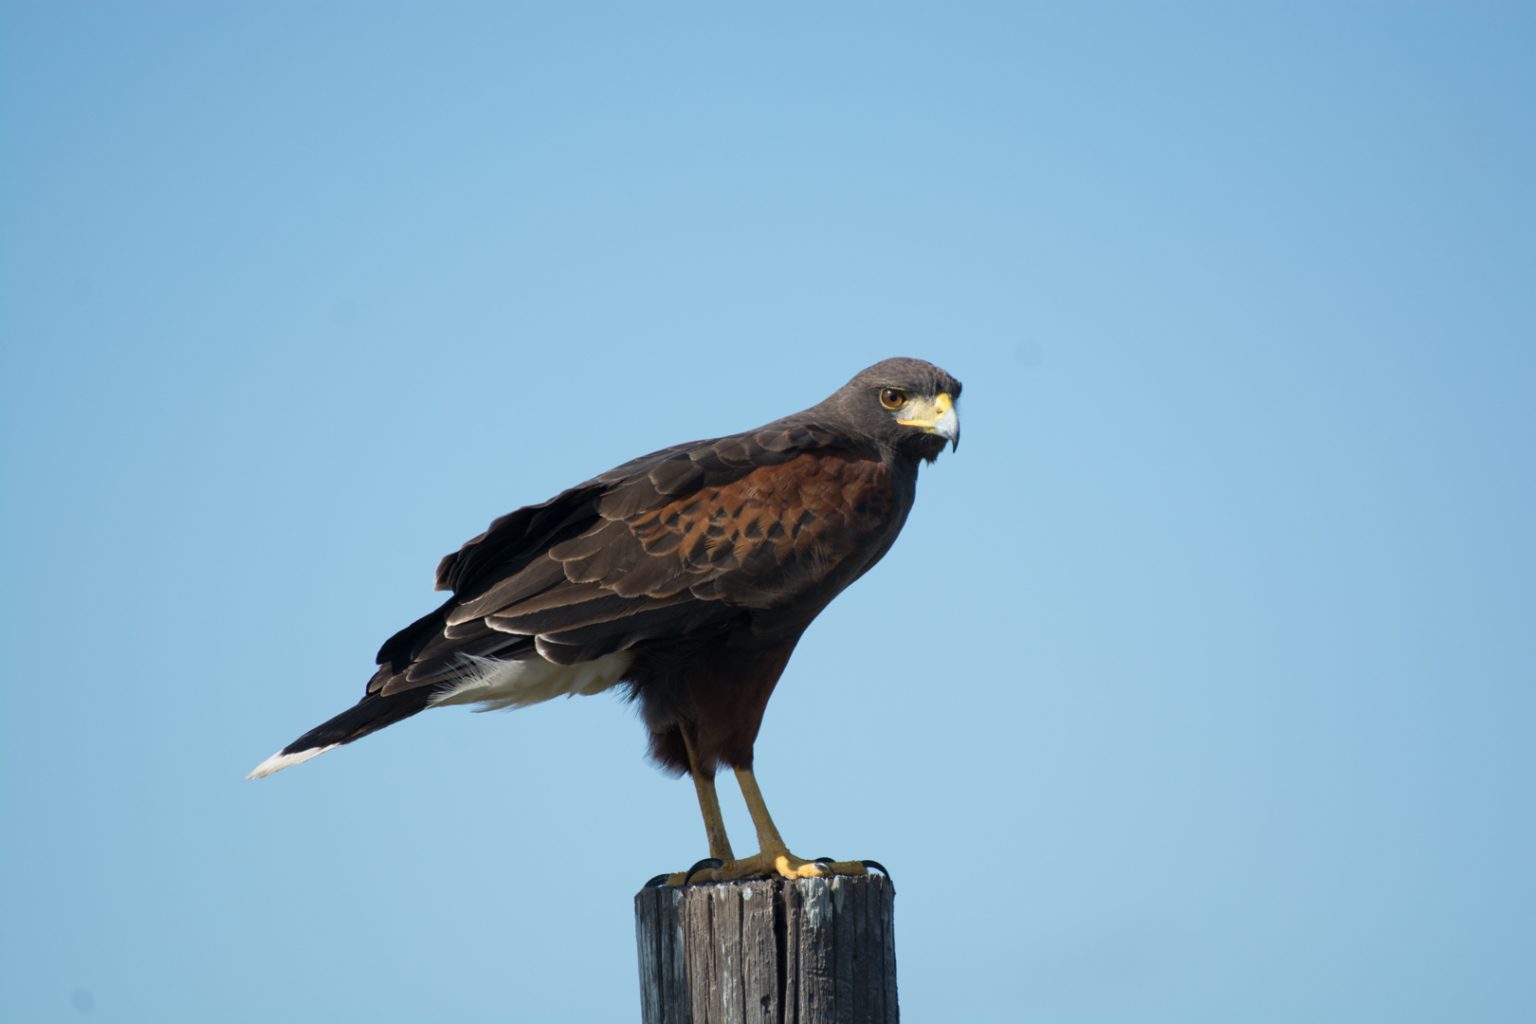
<point>685,578</point>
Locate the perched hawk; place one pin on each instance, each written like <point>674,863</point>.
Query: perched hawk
<point>685,576</point>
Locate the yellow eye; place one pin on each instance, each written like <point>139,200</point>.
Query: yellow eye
<point>893,398</point>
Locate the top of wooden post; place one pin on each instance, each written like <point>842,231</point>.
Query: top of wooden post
<point>769,951</point>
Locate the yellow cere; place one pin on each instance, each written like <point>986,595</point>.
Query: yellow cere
<point>938,407</point>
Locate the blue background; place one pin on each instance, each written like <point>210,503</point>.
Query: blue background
<point>1199,687</point>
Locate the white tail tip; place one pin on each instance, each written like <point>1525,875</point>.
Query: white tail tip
<point>278,761</point>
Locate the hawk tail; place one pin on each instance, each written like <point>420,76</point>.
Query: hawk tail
<point>370,714</point>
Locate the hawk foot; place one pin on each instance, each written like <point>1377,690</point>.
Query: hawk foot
<point>768,864</point>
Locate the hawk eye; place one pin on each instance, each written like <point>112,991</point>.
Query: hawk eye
<point>893,398</point>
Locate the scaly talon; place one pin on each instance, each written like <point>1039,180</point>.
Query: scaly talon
<point>874,865</point>
<point>707,864</point>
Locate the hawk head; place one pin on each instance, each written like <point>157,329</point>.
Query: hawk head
<point>903,405</point>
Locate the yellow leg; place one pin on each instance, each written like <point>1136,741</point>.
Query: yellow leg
<point>768,837</point>
<point>773,857</point>
<point>709,804</point>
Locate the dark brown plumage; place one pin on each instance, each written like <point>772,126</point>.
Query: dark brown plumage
<point>687,575</point>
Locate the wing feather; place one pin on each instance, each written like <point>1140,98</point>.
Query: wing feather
<point>690,540</point>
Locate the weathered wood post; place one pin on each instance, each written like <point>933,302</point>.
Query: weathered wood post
<point>769,951</point>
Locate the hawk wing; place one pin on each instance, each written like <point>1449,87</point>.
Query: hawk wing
<point>687,542</point>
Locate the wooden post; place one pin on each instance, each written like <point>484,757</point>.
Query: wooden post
<point>769,951</point>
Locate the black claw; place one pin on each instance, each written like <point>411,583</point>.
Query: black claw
<point>707,862</point>
<point>823,860</point>
<point>658,882</point>
<point>874,865</point>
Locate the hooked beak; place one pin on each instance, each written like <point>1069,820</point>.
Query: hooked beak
<point>935,417</point>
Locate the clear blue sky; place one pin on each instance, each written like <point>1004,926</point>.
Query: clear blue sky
<point>1200,687</point>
